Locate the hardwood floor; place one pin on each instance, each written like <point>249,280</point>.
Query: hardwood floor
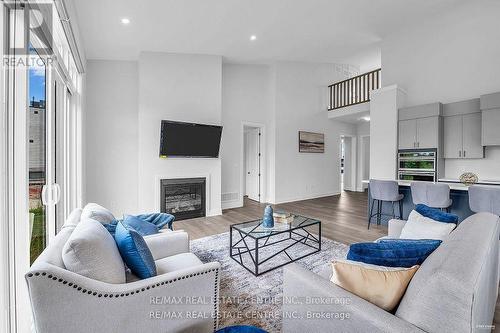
<point>343,218</point>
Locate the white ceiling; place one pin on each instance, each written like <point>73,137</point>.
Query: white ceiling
<point>298,30</point>
<point>357,118</point>
<point>353,114</point>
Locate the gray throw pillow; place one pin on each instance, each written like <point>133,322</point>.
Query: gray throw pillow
<point>98,213</point>
<point>91,251</point>
<point>73,218</point>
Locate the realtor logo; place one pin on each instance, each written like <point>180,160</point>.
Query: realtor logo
<point>38,17</point>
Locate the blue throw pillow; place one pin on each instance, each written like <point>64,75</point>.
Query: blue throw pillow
<point>135,252</point>
<point>241,329</point>
<point>142,227</point>
<point>393,252</point>
<point>111,227</point>
<point>410,241</point>
<point>159,219</point>
<point>436,214</point>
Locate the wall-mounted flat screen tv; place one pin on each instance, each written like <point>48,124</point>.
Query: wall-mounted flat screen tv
<point>180,139</point>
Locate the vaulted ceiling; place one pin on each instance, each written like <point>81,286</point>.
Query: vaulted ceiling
<point>296,30</point>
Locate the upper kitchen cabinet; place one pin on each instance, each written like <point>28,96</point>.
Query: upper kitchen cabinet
<point>462,130</point>
<point>472,136</point>
<point>419,127</point>
<point>428,132</point>
<point>490,110</point>
<point>452,137</point>
<point>407,134</point>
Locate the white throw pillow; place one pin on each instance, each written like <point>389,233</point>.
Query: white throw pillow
<point>421,227</point>
<point>98,213</point>
<point>91,251</point>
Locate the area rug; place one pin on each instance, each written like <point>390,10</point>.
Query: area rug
<point>253,300</point>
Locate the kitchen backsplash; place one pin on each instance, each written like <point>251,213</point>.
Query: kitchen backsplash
<point>487,168</point>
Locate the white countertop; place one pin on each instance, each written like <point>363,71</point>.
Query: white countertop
<point>453,183</point>
<point>453,186</point>
<point>480,181</point>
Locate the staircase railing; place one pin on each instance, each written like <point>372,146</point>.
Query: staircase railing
<point>353,91</point>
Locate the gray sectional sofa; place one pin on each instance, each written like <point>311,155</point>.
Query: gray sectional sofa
<point>455,290</point>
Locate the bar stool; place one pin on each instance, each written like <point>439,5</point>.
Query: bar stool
<point>484,199</point>
<point>433,195</point>
<point>384,191</point>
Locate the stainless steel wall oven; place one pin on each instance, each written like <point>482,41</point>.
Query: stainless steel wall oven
<point>417,165</point>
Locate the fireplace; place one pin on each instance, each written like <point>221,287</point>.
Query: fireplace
<point>183,197</point>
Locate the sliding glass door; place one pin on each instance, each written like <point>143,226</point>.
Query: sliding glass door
<point>60,154</point>
<point>48,146</point>
<point>37,153</point>
<point>46,141</point>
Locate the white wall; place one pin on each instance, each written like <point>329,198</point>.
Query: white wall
<point>111,135</point>
<point>300,103</point>
<point>125,103</point>
<point>449,58</point>
<point>284,97</point>
<point>363,128</point>
<point>178,87</point>
<point>384,106</point>
<point>246,98</point>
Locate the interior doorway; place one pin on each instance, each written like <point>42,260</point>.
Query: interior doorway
<point>364,162</point>
<point>252,162</point>
<point>347,158</point>
<point>252,166</point>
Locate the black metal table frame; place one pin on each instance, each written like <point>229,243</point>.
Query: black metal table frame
<point>292,231</point>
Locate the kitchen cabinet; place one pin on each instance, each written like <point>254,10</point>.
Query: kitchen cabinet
<point>472,136</point>
<point>420,127</point>
<point>491,127</point>
<point>419,133</point>
<point>407,134</point>
<point>453,137</point>
<point>462,136</point>
<point>428,132</point>
<point>490,110</point>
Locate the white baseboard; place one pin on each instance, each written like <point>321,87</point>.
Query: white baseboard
<point>215,212</point>
<point>308,197</point>
<point>238,203</point>
<point>231,204</point>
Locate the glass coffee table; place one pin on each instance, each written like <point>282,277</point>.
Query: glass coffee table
<point>260,249</point>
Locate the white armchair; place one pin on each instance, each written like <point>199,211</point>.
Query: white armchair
<point>167,243</point>
<point>183,297</point>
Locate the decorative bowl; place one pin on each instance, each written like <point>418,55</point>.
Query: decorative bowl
<point>468,178</point>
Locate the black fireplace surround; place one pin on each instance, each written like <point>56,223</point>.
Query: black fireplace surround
<point>183,197</point>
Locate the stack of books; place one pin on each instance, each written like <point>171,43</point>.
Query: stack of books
<point>282,217</point>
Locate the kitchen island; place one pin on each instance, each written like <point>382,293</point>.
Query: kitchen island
<point>459,193</point>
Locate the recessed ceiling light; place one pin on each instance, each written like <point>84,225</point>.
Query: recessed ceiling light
<point>253,37</point>
<point>125,20</point>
